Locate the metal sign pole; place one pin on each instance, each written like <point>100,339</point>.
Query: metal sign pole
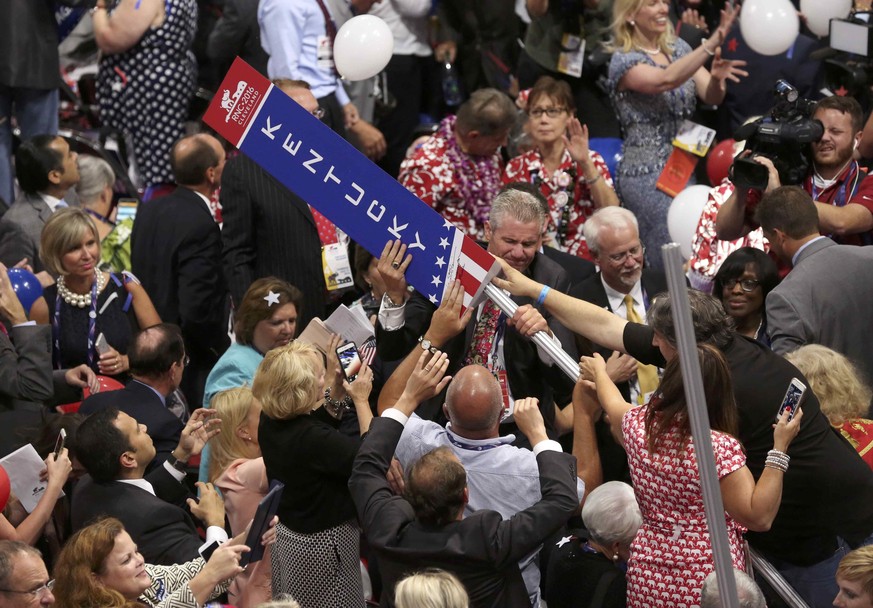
<point>686,344</point>
<point>564,361</point>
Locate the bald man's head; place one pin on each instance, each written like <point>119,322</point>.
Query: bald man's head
<point>474,402</point>
<point>197,159</point>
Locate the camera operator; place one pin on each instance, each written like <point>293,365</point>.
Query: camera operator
<point>842,191</point>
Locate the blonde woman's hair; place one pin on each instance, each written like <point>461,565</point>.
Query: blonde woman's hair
<point>232,407</point>
<point>283,600</point>
<point>623,31</point>
<point>857,567</point>
<point>835,380</point>
<point>286,381</point>
<point>431,588</point>
<point>62,233</point>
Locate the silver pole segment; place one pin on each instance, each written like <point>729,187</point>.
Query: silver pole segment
<point>564,361</point>
<point>686,344</point>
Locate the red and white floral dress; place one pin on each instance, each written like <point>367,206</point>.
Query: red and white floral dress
<point>671,554</point>
<point>460,187</point>
<point>570,201</point>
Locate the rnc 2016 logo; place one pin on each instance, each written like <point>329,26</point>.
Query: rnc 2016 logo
<point>240,104</point>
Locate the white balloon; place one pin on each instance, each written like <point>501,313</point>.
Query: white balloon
<point>684,215</point>
<point>363,47</point>
<point>820,12</point>
<point>770,27</point>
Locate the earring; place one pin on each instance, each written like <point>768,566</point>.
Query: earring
<point>615,557</point>
<point>632,23</point>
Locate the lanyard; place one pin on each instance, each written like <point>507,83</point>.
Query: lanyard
<point>499,332</point>
<point>92,328</point>
<point>468,446</point>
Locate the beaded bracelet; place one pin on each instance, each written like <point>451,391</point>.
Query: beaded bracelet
<point>777,460</point>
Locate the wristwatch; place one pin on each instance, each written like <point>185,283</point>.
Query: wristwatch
<point>426,345</point>
<point>176,463</point>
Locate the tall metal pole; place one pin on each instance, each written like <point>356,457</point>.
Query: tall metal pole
<point>564,361</point>
<point>686,344</point>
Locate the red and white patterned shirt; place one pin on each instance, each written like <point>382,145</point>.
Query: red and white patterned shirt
<point>460,187</point>
<point>565,182</point>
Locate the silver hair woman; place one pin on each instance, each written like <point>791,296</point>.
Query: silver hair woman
<point>588,570</point>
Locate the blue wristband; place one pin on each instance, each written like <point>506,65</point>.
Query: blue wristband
<point>543,293</point>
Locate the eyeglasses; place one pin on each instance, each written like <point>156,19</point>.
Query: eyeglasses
<point>186,360</point>
<point>550,112</point>
<point>36,592</point>
<point>634,252</point>
<point>745,284</point>
<point>318,113</point>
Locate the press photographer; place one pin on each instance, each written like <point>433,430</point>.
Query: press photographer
<point>841,189</point>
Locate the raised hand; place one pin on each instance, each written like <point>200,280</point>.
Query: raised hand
<point>392,268</point>
<point>428,379</point>
<point>576,140</point>
<point>447,321</point>
<point>727,69</point>
<point>201,427</point>
<point>527,321</point>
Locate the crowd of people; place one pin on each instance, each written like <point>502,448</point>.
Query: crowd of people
<point>460,466</point>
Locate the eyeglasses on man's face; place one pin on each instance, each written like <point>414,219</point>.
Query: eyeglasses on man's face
<point>745,284</point>
<point>33,593</point>
<point>318,112</point>
<point>550,112</point>
<point>634,252</point>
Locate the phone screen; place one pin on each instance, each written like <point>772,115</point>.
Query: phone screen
<point>59,444</point>
<point>349,360</point>
<point>792,398</point>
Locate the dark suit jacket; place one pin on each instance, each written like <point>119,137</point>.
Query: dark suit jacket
<point>20,229</point>
<point>29,45</point>
<point>164,531</point>
<point>612,455</point>
<point>143,405</point>
<point>527,375</point>
<point>269,230</point>
<point>176,253</point>
<point>237,33</point>
<point>482,550</point>
<point>577,269</point>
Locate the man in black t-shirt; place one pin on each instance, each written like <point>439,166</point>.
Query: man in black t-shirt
<point>827,495</point>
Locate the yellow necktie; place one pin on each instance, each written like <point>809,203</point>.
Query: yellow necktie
<point>647,375</point>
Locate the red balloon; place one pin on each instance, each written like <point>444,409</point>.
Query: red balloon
<point>106,384</point>
<point>719,161</point>
<point>4,488</point>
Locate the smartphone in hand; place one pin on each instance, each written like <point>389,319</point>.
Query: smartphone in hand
<point>101,344</point>
<point>61,440</point>
<point>350,360</point>
<point>793,397</point>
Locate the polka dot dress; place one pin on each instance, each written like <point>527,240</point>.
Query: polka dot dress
<point>144,92</point>
<point>319,570</point>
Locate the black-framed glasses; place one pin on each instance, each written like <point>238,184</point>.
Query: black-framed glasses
<point>35,592</point>
<point>634,252</point>
<point>186,360</point>
<point>318,113</point>
<point>550,112</point>
<point>745,284</point>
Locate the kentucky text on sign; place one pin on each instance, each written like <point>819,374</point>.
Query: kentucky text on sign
<point>332,176</point>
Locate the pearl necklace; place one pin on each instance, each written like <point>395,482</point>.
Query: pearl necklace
<point>80,300</point>
<point>649,51</point>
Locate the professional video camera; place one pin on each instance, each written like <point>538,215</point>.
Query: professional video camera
<point>783,135</point>
<point>848,67</point>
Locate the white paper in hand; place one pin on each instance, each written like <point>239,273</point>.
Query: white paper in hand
<point>23,467</point>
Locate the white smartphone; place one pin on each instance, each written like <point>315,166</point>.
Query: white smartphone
<point>101,345</point>
<point>793,397</point>
<point>59,444</point>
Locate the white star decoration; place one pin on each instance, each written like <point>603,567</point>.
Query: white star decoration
<point>444,243</point>
<point>564,541</point>
<point>441,261</point>
<point>436,280</point>
<point>432,298</point>
<point>271,298</point>
<point>448,225</point>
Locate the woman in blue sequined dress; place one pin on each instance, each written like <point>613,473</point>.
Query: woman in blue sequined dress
<point>654,79</point>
